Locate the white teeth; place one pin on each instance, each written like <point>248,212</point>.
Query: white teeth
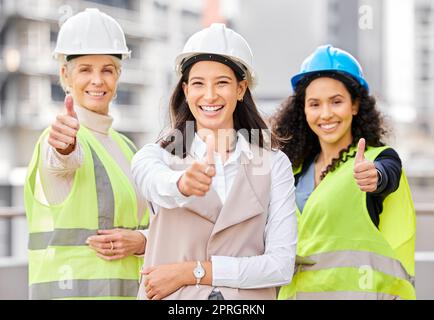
<point>328,126</point>
<point>211,108</point>
<point>95,94</point>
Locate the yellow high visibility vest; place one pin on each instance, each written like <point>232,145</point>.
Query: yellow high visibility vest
<point>340,252</point>
<point>61,265</point>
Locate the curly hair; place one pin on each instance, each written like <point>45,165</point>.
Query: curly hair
<point>300,143</point>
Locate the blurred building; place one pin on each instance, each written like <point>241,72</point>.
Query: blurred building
<point>394,41</point>
<point>298,28</point>
<point>409,80</point>
<point>424,59</point>
<point>30,94</point>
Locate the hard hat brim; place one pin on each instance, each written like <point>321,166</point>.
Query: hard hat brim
<point>125,55</point>
<point>251,77</point>
<point>295,80</point>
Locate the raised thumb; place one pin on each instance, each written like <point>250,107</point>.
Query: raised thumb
<point>210,147</point>
<point>360,155</point>
<point>69,106</point>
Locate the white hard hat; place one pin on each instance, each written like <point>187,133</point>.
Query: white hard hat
<point>222,41</point>
<point>91,32</point>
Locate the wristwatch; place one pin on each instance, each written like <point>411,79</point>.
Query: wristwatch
<point>199,273</point>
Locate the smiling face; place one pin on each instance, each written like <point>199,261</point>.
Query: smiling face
<point>212,92</point>
<point>92,81</point>
<point>329,112</point>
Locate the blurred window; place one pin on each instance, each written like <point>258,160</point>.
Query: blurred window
<point>57,93</point>
<point>2,101</point>
<point>136,52</point>
<point>124,96</point>
<point>2,38</point>
<point>333,6</point>
<point>189,14</point>
<point>3,89</point>
<point>53,36</point>
<point>160,6</point>
<point>24,87</point>
<point>423,13</point>
<point>124,4</point>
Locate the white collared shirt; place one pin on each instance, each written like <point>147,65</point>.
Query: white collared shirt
<point>158,184</point>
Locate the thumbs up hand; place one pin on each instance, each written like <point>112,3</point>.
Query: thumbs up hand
<point>69,107</point>
<point>64,130</point>
<point>197,179</point>
<point>365,172</point>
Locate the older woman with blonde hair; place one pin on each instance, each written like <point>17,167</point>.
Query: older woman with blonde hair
<point>83,211</point>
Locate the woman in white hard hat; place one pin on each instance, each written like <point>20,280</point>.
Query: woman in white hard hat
<point>82,208</point>
<point>356,217</point>
<point>223,220</point>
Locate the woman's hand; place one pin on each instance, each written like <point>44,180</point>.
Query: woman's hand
<point>64,130</point>
<point>117,243</point>
<point>365,172</point>
<point>197,179</point>
<point>161,281</point>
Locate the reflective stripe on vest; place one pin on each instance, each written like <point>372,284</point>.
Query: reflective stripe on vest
<point>76,236</point>
<point>104,194</point>
<point>83,288</point>
<point>59,237</point>
<point>64,237</point>
<point>355,259</point>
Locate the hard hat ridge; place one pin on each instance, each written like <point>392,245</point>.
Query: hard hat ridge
<point>239,69</point>
<point>91,32</point>
<point>328,59</point>
<point>218,40</point>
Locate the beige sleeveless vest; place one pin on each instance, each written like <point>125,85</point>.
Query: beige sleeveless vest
<point>209,228</point>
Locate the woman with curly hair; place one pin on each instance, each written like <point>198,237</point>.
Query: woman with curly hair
<point>356,216</point>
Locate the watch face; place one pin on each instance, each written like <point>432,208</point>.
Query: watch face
<point>199,272</point>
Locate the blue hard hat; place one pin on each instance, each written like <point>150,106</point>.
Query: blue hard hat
<point>329,59</point>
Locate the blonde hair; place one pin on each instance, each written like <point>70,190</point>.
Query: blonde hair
<point>70,65</point>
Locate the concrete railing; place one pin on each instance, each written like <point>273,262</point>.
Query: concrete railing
<point>13,270</point>
<point>11,212</point>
